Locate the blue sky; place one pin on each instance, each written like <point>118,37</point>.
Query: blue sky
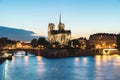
<point>83,17</point>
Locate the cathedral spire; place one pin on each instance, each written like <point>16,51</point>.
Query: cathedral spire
<point>61,26</point>
<point>60,19</point>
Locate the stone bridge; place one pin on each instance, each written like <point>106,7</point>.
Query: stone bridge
<point>34,51</point>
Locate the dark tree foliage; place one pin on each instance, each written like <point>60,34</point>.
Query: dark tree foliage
<point>34,43</point>
<point>56,43</point>
<point>75,42</point>
<point>90,46</point>
<point>40,41</point>
<point>43,41</point>
<point>69,43</point>
<point>5,42</point>
<point>118,41</point>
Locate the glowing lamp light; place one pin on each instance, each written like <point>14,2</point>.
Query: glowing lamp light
<point>98,46</point>
<point>53,46</point>
<point>76,46</point>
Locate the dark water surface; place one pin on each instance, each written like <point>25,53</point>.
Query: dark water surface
<point>32,67</point>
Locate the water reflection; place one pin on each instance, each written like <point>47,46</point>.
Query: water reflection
<point>19,54</point>
<point>40,66</point>
<point>13,59</point>
<point>106,67</point>
<point>39,58</point>
<point>115,56</point>
<point>102,59</point>
<point>85,60</point>
<point>6,71</point>
<point>26,59</point>
<point>106,59</point>
<point>116,59</point>
<point>76,61</point>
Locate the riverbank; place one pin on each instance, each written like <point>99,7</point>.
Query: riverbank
<point>2,60</point>
<point>59,53</point>
<point>73,52</point>
<point>4,57</point>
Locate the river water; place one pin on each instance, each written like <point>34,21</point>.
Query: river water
<point>32,67</point>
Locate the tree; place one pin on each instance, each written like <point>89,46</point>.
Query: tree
<point>3,42</point>
<point>43,41</point>
<point>118,41</point>
<point>56,43</point>
<point>34,43</point>
<point>70,43</point>
<point>75,43</point>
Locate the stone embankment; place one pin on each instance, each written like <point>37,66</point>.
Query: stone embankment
<point>58,53</point>
<point>3,57</point>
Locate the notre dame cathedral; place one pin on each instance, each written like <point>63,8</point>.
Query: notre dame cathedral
<point>61,35</point>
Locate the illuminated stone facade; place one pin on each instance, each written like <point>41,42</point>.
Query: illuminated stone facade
<point>103,40</point>
<point>23,45</point>
<point>61,35</point>
<point>79,43</point>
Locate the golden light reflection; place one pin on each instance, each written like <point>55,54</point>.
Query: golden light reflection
<point>13,59</point>
<point>39,58</point>
<point>116,59</point>
<point>85,60</point>
<point>115,56</point>
<point>109,57</point>
<point>98,60</point>
<point>76,61</point>
<point>26,58</point>
<point>102,59</point>
<point>98,57</point>
<point>105,58</point>
<point>6,70</point>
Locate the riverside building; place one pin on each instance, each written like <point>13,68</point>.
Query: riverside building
<point>103,40</point>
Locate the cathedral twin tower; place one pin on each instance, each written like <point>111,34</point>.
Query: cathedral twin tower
<point>61,35</point>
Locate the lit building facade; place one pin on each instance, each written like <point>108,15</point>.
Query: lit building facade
<point>79,43</point>
<point>83,42</point>
<point>23,45</point>
<point>103,40</point>
<point>60,36</point>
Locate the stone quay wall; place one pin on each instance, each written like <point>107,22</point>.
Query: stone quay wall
<point>57,53</point>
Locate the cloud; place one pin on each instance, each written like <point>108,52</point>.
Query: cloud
<point>17,34</point>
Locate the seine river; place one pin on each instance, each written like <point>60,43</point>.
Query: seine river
<point>32,67</point>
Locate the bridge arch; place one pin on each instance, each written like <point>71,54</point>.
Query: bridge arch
<point>110,51</point>
<point>30,51</point>
<point>21,52</point>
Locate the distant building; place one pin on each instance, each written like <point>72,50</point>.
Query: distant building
<point>83,42</point>
<point>23,45</point>
<point>79,43</point>
<point>19,44</point>
<point>60,36</point>
<point>103,40</point>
